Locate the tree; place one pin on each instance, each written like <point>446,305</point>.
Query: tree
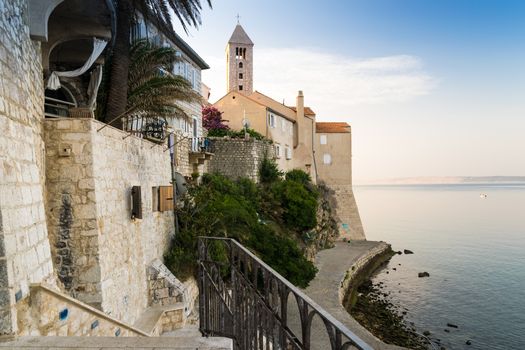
<point>153,91</point>
<point>212,118</point>
<point>188,13</point>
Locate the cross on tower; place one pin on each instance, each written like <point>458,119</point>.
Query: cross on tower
<point>238,19</point>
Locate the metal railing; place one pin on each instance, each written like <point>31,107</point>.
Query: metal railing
<point>242,298</point>
<point>201,145</point>
<point>150,128</point>
<point>55,108</point>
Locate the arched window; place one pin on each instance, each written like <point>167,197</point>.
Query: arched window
<point>58,102</point>
<point>240,65</point>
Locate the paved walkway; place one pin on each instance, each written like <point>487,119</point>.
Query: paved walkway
<point>116,343</point>
<point>324,289</point>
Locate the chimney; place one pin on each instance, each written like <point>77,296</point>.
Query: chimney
<point>300,117</point>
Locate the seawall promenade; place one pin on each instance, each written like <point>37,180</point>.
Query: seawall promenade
<point>338,268</point>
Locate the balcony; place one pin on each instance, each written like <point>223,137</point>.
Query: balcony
<point>150,128</point>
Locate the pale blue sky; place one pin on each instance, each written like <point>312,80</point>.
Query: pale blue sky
<point>431,88</point>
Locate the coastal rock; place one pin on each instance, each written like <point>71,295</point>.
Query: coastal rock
<point>447,330</point>
<point>399,252</point>
<point>407,251</point>
<point>426,333</point>
<point>451,325</point>
<point>423,274</point>
<point>468,342</point>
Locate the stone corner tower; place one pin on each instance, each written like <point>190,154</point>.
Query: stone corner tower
<point>239,62</point>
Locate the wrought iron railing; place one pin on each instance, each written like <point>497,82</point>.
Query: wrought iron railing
<point>150,128</point>
<point>242,298</point>
<point>201,145</point>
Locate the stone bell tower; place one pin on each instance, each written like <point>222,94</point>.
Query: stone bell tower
<point>239,62</point>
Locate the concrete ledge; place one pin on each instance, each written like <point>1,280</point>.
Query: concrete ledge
<point>339,266</point>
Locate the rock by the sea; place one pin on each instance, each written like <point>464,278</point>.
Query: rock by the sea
<point>426,333</point>
<point>451,325</point>
<point>407,251</point>
<point>468,342</point>
<point>423,274</point>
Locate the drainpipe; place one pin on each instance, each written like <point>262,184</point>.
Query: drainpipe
<point>313,149</point>
<point>173,157</point>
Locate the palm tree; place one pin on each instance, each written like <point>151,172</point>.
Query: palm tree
<point>153,91</point>
<point>188,13</point>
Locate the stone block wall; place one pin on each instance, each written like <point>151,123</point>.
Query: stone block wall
<point>24,247</point>
<point>90,173</point>
<point>56,314</point>
<point>347,213</point>
<point>236,158</point>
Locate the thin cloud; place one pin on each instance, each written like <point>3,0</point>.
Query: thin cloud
<point>332,83</point>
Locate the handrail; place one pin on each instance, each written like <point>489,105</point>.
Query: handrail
<point>260,274</point>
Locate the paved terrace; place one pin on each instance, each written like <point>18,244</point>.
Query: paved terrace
<point>324,289</point>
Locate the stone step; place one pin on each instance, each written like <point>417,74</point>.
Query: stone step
<point>155,319</point>
<point>113,343</point>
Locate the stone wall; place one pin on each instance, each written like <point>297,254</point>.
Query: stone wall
<point>347,213</point>
<point>100,253</point>
<point>24,247</point>
<point>55,314</point>
<point>236,158</point>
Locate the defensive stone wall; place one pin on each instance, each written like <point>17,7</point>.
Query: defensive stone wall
<point>24,247</point>
<point>100,253</point>
<point>347,213</point>
<point>236,158</point>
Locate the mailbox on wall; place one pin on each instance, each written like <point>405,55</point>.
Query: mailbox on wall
<point>136,203</point>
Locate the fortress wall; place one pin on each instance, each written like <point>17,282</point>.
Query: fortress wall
<point>236,158</point>
<point>347,214</point>
<point>108,251</point>
<point>24,247</point>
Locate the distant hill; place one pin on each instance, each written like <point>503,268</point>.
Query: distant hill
<point>437,180</point>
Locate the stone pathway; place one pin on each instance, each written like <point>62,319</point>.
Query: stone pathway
<point>324,289</point>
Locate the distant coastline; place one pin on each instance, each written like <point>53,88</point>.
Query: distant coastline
<point>445,180</point>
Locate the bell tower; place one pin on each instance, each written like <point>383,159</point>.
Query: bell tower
<point>239,62</point>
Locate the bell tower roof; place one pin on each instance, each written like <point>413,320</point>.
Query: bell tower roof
<point>239,36</point>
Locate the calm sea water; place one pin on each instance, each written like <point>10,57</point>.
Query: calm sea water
<point>473,248</point>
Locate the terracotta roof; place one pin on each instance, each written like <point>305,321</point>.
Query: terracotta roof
<point>239,36</point>
<point>307,110</point>
<point>332,127</point>
<point>274,105</point>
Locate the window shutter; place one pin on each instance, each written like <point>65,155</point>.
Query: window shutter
<point>165,198</point>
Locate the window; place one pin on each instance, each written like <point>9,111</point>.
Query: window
<point>283,124</point>
<point>240,76</point>
<point>327,159</point>
<point>323,139</point>
<point>240,87</point>
<point>288,152</point>
<point>240,65</point>
<point>277,150</point>
<point>155,199</point>
<point>271,120</point>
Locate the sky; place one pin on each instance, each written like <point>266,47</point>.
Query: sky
<point>430,87</point>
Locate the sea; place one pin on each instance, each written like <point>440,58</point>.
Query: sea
<point>471,240</point>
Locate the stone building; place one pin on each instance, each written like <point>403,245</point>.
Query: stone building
<point>299,141</point>
<point>333,155</point>
<point>239,62</point>
<point>86,210</point>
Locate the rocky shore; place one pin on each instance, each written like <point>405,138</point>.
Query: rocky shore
<point>372,308</point>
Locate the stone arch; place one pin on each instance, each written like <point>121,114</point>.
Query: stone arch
<point>39,12</point>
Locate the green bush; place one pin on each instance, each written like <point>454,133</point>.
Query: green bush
<point>269,172</point>
<point>239,134</point>
<point>298,175</point>
<point>299,204</point>
<point>225,208</point>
